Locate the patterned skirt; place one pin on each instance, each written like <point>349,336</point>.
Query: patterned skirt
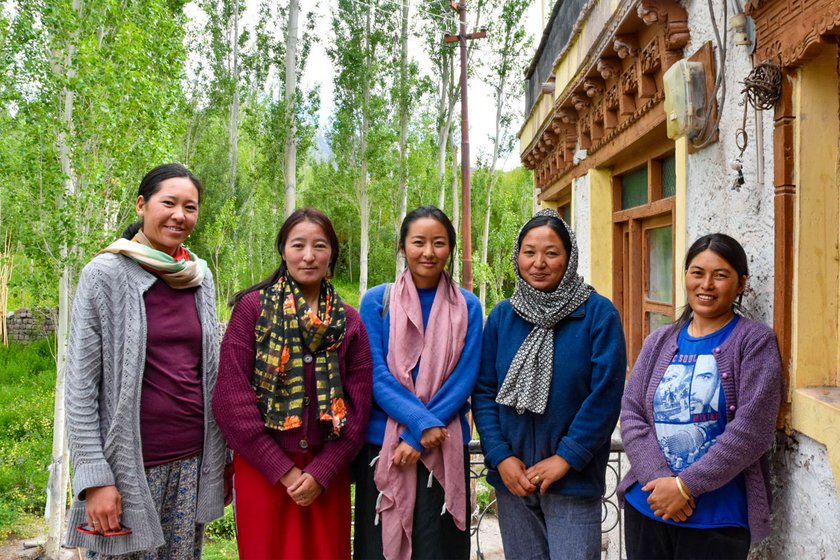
<point>174,488</point>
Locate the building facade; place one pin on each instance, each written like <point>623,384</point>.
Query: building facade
<point>595,135</point>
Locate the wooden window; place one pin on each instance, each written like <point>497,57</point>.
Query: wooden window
<point>643,267</point>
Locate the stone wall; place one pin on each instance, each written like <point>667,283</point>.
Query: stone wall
<point>26,325</point>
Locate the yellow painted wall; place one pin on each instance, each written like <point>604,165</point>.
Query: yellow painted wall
<point>601,231</point>
<point>815,352</point>
<point>815,303</point>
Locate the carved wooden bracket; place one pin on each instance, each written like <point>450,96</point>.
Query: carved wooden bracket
<point>620,87</point>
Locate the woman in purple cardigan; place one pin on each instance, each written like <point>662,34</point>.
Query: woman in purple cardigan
<point>698,419</point>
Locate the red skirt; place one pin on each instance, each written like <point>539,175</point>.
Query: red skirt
<point>270,525</point>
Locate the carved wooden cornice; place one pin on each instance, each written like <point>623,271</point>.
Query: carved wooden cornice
<point>793,31</point>
<point>620,86</point>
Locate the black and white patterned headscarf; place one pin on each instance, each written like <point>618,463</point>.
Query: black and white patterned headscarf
<point>528,379</point>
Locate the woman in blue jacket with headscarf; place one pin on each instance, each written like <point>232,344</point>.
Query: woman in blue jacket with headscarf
<point>548,397</point>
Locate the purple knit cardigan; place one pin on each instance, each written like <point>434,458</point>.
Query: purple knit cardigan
<point>751,374</point>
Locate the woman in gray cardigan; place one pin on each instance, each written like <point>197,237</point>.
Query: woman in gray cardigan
<point>148,458</point>
<point>698,419</point>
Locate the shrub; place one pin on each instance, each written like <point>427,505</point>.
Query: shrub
<point>27,385</point>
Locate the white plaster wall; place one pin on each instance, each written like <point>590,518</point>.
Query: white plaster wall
<point>712,204</point>
<point>806,509</point>
<point>581,220</point>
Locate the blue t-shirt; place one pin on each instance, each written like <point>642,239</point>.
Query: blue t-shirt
<point>689,410</point>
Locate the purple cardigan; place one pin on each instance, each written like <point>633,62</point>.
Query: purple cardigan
<point>751,374</point>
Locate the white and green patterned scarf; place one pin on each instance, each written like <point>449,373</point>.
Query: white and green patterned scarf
<point>185,270</point>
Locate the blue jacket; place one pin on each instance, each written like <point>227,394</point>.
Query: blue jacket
<point>390,398</point>
<point>590,363</point>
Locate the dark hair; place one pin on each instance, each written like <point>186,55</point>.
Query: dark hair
<point>556,224</point>
<point>150,184</point>
<point>300,215</point>
<point>435,213</point>
<point>728,249</point>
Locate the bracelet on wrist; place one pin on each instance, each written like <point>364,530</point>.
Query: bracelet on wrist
<point>683,490</point>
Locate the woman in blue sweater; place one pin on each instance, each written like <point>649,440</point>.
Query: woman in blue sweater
<point>425,336</point>
<point>548,398</point>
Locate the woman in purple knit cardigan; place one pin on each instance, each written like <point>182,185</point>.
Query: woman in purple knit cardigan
<point>698,419</point>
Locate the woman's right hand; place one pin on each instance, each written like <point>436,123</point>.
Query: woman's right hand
<point>291,477</point>
<point>104,508</point>
<point>512,471</point>
<point>405,455</point>
<point>433,437</point>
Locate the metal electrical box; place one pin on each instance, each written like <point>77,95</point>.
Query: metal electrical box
<point>685,99</point>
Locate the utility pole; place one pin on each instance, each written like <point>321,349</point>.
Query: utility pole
<point>466,218</point>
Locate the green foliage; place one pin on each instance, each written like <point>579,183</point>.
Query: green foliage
<point>27,382</point>
<point>223,528</point>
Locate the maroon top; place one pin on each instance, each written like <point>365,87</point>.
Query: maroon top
<point>172,403</point>
<point>235,403</point>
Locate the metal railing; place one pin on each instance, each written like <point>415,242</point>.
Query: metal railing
<point>611,512</point>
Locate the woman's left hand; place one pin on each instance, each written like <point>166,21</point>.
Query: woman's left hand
<point>666,501</point>
<point>304,490</point>
<point>547,472</point>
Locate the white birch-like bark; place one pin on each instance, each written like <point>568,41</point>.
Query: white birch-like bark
<point>233,124</point>
<point>456,208</point>
<point>404,110</point>
<point>59,467</point>
<point>362,194</point>
<point>290,166</point>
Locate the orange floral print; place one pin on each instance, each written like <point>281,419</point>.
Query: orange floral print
<point>338,408</point>
<point>292,422</point>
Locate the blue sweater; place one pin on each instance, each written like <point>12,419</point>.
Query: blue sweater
<point>390,398</point>
<point>584,401</point>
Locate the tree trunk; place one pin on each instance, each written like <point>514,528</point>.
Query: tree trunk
<point>446,108</point>
<point>59,475</point>
<point>290,167</point>
<point>364,207</point>
<point>456,207</point>
<point>485,234</point>
<point>404,89</point>
<point>233,126</point>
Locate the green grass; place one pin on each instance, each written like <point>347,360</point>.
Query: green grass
<point>27,384</point>
<point>220,541</point>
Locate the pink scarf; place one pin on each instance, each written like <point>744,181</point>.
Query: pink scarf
<point>438,354</point>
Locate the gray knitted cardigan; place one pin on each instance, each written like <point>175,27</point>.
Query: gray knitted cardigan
<point>751,377</point>
<point>105,363</point>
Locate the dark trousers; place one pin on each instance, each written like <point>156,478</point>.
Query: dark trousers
<point>648,539</point>
<point>434,536</point>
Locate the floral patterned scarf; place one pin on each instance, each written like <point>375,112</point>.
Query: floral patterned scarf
<point>287,324</point>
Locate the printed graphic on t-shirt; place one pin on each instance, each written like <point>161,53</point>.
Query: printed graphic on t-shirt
<point>687,409</point>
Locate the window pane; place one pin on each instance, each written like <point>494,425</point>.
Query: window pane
<point>634,188</point>
<point>565,212</point>
<point>660,271</point>
<point>656,320</point>
<point>669,176</point>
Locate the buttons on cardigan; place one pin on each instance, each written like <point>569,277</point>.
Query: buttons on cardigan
<point>205,470</point>
<point>305,401</point>
<point>716,350</point>
<point>307,359</point>
<point>724,375</point>
<point>732,408</point>
<point>304,444</point>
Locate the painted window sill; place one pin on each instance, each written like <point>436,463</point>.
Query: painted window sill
<point>815,411</point>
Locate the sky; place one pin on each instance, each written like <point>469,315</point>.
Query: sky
<point>318,73</point>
